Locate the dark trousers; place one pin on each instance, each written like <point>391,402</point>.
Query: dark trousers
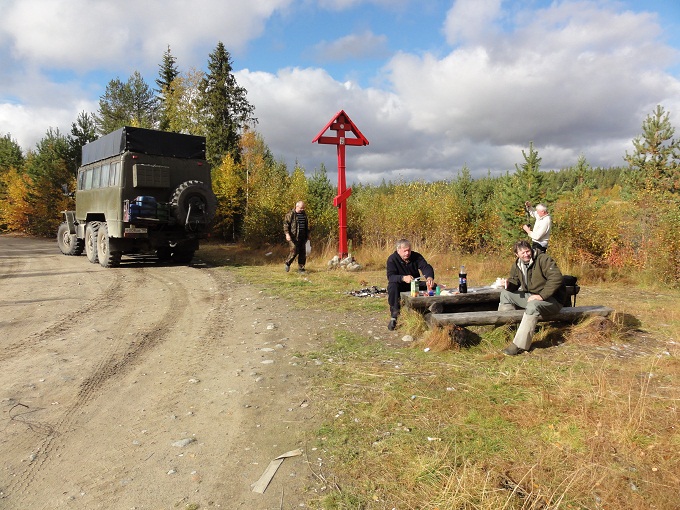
<point>394,297</point>
<point>299,250</point>
<point>537,246</point>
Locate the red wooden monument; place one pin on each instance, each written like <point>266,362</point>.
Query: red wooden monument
<point>343,126</point>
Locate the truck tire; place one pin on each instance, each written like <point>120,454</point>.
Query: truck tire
<point>183,255</point>
<point>163,253</point>
<point>106,253</point>
<point>91,241</point>
<point>69,244</point>
<point>193,204</point>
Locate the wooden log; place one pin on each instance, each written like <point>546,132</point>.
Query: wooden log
<point>496,318</point>
<point>476,299</point>
<point>482,295</point>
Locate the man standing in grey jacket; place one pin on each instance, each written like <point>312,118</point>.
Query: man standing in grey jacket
<point>535,285</point>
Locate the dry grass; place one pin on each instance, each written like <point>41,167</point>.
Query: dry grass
<point>587,420</point>
<point>462,431</point>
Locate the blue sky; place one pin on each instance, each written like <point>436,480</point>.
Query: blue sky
<point>434,85</point>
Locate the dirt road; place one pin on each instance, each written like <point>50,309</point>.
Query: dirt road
<point>148,386</point>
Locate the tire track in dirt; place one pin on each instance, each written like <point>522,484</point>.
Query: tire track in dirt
<point>64,324</point>
<point>189,342</point>
<point>156,354</point>
<point>49,444</point>
<point>116,359</point>
<point>148,339</point>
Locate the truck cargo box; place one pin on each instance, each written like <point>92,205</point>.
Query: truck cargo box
<point>145,141</point>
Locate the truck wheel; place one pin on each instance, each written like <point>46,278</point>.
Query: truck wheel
<point>91,241</point>
<point>69,244</point>
<point>108,257</point>
<point>163,253</point>
<point>193,203</point>
<point>182,255</point>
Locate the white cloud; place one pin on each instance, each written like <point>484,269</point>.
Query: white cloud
<point>570,75</point>
<point>295,104</point>
<point>86,34</point>
<point>341,5</point>
<point>352,47</point>
<point>470,20</point>
<point>50,46</point>
<point>570,78</point>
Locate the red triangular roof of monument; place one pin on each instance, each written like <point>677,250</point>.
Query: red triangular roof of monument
<point>352,127</point>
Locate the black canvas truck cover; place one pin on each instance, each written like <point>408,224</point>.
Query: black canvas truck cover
<point>145,141</point>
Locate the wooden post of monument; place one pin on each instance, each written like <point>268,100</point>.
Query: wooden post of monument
<point>342,125</point>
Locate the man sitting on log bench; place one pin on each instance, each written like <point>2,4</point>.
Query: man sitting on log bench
<point>535,285</point>
<point>403,266</point>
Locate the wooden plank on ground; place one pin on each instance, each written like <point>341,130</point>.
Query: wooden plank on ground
<point>496,318</point>
<point>261,485</point>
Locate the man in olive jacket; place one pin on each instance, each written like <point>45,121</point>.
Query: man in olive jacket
<point>296,229</point>
<point>535,285</point>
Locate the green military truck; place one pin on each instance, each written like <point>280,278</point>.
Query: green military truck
<point>140,191</point>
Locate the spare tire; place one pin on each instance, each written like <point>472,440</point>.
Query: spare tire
<point>193,204</point>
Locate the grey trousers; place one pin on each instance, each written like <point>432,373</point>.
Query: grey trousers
<point>533,310</point>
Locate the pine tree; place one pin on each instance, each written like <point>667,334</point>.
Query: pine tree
<point>113,112</point>
<point>583,174</point>
<point>83,130</point>
<point>166,76</point>
<point>526,184</point>
<point>320,194</point>
<point>11,155</point>
<point>655,164</point>
<point>126,104</point>
<point>225,106</point>
<point>144,112</point>
<point>48,172</point>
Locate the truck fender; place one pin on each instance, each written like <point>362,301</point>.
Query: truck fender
<point>70,218</point>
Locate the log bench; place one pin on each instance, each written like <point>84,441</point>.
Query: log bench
<point>496,318</point>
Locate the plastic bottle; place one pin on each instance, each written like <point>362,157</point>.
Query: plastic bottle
<point>438,291</point>
<point>430,290</point>
<point>462,280</point>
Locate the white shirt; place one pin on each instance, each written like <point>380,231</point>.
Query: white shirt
<point>541,231</point>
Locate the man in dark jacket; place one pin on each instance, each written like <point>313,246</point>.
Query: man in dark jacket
<point>535,285</point>
<point>296,229</point>
<point>403,266</point>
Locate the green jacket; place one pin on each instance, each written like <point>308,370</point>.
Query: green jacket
<point>543,277</point>
<point>290,226</point>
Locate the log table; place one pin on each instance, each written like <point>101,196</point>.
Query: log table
<point>474,300</point>
<point>480,299</point>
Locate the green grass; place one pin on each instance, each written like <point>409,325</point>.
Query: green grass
<point>586,421</point>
